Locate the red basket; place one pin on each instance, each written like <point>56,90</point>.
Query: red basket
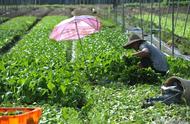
<point>28,116</point>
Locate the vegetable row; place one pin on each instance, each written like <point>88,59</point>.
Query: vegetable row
<point>36,69</point>
<point>14,27</point>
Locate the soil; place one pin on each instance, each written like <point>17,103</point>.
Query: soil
<point>38,12</point>
<point>11,113</point>
<point>61,12</point>
<point>13,12</point>
<point>42,11</point>
<point>73,11</point>
<point>82,11</point>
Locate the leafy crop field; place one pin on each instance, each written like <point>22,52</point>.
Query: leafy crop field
<point>100,85</point>
<point>3,19</point>
<point>14,27</point>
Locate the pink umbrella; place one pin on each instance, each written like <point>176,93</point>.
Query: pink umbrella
<point>75,28</point>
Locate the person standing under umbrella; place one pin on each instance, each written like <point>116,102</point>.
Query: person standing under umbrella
<point>150,56</point>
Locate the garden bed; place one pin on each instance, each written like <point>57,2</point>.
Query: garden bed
<point>12,29</point>
<point>99,86</point>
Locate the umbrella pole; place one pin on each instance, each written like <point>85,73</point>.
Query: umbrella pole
<point>80,44</point>
<point>79,39</point>
<point>85,63</point>
<point>83,56</point>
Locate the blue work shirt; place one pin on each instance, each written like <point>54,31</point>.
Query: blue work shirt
<point>159,61</point>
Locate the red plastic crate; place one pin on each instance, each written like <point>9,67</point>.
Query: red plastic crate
<point>28,116</point>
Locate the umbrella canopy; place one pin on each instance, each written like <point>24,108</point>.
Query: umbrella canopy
<point>75,28</point>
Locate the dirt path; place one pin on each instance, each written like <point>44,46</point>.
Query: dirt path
<point>82,11</point>
<point>61,11</point>
<point>39,12</point>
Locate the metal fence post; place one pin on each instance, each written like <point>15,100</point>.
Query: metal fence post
<point>141,19</point>
<point>123,16</point>
<point>160,26</point>
<point>151,24</point>
<point>186,19</point>
<point>173,27</point>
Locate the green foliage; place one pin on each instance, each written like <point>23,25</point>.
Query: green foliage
<point>2,19</point>
<point>67,113</point>
<point>101,68</point>
<point>176,2</point>
<point>37,73</point>
<point>179,67</point>
<point>108,23</point>
<point>119,103</point>
<point>14,27</point>
<point>36,70</point>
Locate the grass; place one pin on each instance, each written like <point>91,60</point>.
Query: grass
<point>180,41</point>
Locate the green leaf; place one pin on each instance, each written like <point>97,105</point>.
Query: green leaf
<point>63,88</point>
<point>51,86</point>
<point>2,67</point>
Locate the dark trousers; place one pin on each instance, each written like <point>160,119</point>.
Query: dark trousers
<point>147,62</point>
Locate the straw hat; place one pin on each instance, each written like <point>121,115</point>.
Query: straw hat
<point>133,39</point>
<point>184,83</point>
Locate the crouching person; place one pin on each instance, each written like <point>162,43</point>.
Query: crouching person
<point>150,56</point>
<point>174,91</point>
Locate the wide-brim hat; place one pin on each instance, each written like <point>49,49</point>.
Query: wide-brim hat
<point>185,85</point>
<point>132,40</point>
